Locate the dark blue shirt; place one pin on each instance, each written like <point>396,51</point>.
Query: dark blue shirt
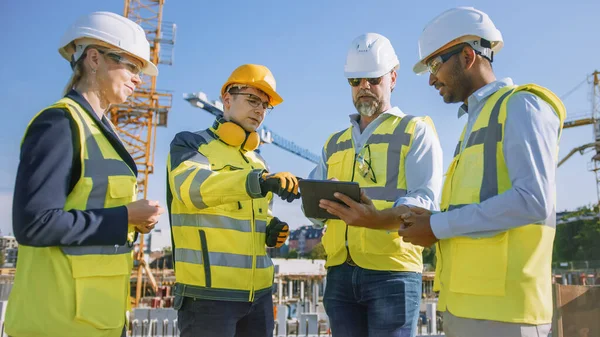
<point>48,169</point>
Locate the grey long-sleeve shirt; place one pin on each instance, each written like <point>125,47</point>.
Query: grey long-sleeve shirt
<point>530,150</point>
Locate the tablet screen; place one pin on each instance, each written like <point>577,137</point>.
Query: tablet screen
<point>314,190</point>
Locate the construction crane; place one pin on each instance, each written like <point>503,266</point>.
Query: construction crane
<point>200,100</point>
<point>593,119</point>
<point>136,120</point>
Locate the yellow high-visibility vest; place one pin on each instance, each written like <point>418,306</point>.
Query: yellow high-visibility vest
<point>386,149</point>
<point>506,277</point>
<point>78,291</point>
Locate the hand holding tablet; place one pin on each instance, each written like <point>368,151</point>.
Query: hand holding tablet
<point>313,191</point>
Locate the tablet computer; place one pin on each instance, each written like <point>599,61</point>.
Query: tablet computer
<point>314,190</point>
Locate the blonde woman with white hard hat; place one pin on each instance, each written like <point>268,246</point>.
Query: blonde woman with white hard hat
<point>74,212</point>
<point>495,233</point>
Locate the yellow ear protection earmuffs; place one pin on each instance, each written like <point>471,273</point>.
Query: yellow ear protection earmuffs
<point>232,134</point>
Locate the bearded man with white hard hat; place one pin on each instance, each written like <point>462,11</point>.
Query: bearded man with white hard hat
<point>374,276</point>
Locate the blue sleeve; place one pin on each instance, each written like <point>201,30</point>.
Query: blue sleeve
<point>319,173</point>
<point>423,169</point>
<point>530,149</point>
<point>41,189</point>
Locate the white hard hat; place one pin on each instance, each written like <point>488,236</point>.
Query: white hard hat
<point>370,55</point>
<point>456,25</point>
<point>112,29</point>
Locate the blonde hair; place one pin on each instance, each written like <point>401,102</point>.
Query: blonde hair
<point>75,77</point>
<point>78,68</point>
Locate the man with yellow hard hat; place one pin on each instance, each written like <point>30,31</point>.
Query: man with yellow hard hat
<point>219,197</point>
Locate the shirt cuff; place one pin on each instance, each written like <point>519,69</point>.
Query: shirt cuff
<point>317,223</point>
<point>407,202</point>
<point>253,184</point>
<point>410,201</point>
<point>440,225</point>
<point>117,217</point>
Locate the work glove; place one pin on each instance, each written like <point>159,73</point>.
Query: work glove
<point>277,232</point>
<point>284,184</point>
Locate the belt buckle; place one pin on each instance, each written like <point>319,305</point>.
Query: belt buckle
<point>350,261</point>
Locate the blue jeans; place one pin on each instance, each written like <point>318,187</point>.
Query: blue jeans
<point>207,318</point>
<point>362,302</point>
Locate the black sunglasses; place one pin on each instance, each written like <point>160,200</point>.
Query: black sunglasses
<point>355,82</point>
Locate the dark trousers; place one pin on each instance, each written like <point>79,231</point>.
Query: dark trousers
<point>207,318</point>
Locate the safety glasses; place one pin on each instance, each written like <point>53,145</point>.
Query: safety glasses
<point>363,161</point>
<point>255,101</point>
<point>355,82</point>
<point>133,68</point>
<point>434,64</point>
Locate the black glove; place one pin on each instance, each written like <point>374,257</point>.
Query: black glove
<point>284,184</point>
<point>277,232</point>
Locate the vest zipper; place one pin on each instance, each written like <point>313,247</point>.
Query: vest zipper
<point>351,179</point>
<point>252,224</point>
<point>451,183</point>
<point>439,246</point>
<point>244,157</point>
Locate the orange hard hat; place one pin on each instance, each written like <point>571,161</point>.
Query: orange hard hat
<point>256,76</point>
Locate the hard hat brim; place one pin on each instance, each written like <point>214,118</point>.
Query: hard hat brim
<point>367,74</point>
<point>150,69</point>
<point>420,68</point>
<point>274,98</point>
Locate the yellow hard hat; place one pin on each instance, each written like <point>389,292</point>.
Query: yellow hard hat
<point>257,76</point>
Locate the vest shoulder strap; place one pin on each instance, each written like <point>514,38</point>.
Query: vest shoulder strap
<point>332,145</point>
<point>548,96</point>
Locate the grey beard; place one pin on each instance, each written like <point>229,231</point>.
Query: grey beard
<point>367,109</point>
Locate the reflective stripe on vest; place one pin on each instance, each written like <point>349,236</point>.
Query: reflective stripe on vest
<point>221,259</point>
<point>98,169</point>
<point>489,136</point>
<point>395,140</point>
<point>200,175</point>
<point>217,221</point>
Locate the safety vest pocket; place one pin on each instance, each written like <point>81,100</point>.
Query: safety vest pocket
<point>101,289</point>
<point>335,167</point>
<point>479,265</point>
<point>205,258</point>
<point>122,190</point>
<point>230,207</point>
<point>381,242</point>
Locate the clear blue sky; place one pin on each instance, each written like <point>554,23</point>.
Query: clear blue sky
<point>304,43</point>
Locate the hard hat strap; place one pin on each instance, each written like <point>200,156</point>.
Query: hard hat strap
<point>482,47</point>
